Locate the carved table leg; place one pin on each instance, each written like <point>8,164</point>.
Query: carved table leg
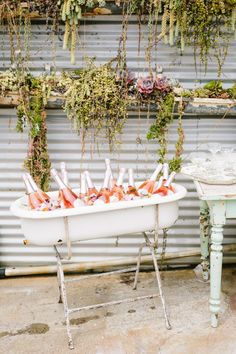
<point>217,211</point>
<point>204,239</point>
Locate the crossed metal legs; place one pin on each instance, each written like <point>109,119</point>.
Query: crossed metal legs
<point>63,296</point>
<point>152,247</point>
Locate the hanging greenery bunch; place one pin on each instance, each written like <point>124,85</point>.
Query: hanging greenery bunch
<point>71,14</point>
<point>204,24</point>
<point>31,114</point>
<point>15,17</point>
<point>147,12</point>
<point>95,99</point>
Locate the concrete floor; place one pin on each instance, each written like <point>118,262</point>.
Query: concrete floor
<point>32,321</point>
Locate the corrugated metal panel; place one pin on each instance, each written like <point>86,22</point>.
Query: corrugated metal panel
<point>100,36</point>
<point>64,145</point>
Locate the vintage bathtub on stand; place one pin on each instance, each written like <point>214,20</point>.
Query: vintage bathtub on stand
<point>66,226</point>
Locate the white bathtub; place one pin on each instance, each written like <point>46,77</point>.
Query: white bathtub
<point>90,222</point>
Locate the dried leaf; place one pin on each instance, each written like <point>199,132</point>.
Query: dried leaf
<point>101,11</point>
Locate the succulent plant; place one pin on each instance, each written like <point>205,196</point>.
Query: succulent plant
<point>162,84</point>
<point>145,85</point>
<point>215,88</point>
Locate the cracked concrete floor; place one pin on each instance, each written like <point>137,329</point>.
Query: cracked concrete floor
<point>32,321</point>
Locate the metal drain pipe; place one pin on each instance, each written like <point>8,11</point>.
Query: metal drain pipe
<point>100,265</point>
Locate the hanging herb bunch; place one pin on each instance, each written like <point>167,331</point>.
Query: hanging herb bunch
<point>32,114</point>
<point>71,14</point>
<point>95,100</point>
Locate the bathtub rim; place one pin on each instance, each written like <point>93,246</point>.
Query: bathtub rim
<point>17,210</point>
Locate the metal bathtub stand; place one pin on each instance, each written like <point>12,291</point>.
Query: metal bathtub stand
<point>62,282</point>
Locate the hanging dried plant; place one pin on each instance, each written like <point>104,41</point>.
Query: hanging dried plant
<point>71,14</point>
<point>32,115</point>
<point>204,24</point>
<point>96,100</point>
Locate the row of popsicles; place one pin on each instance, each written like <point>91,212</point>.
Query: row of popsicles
<point>111,191</point>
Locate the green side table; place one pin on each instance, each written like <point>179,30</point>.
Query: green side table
<point>218,202</point>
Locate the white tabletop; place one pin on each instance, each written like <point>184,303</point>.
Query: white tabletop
<point>215,191</point>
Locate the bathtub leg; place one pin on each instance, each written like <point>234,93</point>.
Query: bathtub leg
<point>64,299</point>
<point>59,284</point>
<point>138,265</point>
<point>153,247</point>
<point>168,325</point>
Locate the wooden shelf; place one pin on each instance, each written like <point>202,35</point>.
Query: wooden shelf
<point>209,102</point>
<point>207,106</point>
<point>11,99</point>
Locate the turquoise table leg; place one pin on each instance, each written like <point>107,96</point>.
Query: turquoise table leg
<point>217,214</point>
<point>204,238</point>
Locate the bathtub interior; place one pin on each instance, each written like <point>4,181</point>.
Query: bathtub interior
<point>19,208</point>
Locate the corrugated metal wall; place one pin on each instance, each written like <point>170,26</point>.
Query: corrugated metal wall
<point>101,36</point>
